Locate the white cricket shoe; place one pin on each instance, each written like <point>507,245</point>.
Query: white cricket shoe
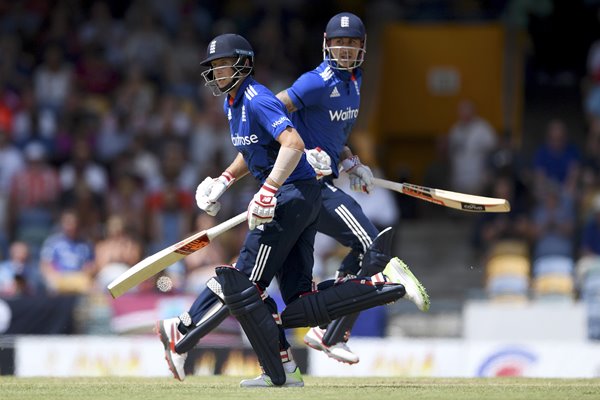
<point>339,351</point>
<point>292,379</point>
<point>169,336</point>
<point>398,272</point>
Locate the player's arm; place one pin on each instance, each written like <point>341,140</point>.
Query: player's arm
<point>209,190</point>
<point>290,153</point>
<point>261,209</point>
<point>317,158</point>
<point>285,98</point>
<point>238,167</point>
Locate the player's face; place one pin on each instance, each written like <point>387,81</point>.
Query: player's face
<point>223,70</point>
<point>345,50</point>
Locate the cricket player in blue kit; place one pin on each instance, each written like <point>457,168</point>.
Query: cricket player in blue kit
<point>324,104</point>
<point>282,218</point>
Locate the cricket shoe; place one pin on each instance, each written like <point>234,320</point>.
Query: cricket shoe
<point>398,272</point>
<point>169,336</point>
<point>292,379</point>
<point>339,351</point>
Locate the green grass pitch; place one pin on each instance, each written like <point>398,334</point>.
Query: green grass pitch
<point>317,388</point>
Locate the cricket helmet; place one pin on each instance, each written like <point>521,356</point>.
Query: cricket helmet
<point>228,45</point>
<point>344,25</point>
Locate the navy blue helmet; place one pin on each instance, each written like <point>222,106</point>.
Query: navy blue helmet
<point>228,45</point>
<point>344,25</point>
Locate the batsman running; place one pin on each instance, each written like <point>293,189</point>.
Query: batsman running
<point>282,218</point>
<point>324,104</point>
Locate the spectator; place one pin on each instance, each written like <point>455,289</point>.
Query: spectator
<point>53,80</point>
<point>471,140</point>
<point>82,166</point>
<point>89,206</point>
<point>67,260</point>
<point>126,199</point>
<point>18,275</point>
<point>34,198</point>
<point>113,137</point>
<point>590,168</point>
<point>168,215</point>
<point>175,165</point>
<point>117,252</point>
<point>11,162</point>
<point>557,160</point>
<point>590,239</point>
<point>494,227</point>
<point>553,223</point>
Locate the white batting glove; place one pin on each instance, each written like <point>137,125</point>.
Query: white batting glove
<point>319,160</point>
<point>261,209</point>
<point>209,191</point>
<point>361,177</point>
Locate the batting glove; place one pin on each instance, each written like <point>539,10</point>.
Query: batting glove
<point>361,177</point>
<point>319,160</point>
<point>261,209</point>
<point>209,191</point>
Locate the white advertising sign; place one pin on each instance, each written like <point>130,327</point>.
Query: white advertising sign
<point>89,356</point>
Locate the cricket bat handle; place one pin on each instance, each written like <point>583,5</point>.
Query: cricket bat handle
<point>382,183</point>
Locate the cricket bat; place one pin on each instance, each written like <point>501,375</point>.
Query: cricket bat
<point>459,201</point>
<point>155,263</point>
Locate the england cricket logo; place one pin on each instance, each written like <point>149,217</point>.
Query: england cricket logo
<point>345,22</point>
<point>213,47</point>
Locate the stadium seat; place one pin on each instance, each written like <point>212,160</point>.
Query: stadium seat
<point>556,264</point>
<point>558,287</point>
<point>509,264</point>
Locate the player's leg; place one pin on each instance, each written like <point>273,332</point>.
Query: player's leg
<point>267,252</point>
<point>334,300</point>
<point>333,340</point>
<point>180,334</point>
<point>343,219</point>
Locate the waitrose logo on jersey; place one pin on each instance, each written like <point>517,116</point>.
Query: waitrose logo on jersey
<point>244,140</point>
<point>344,114</point>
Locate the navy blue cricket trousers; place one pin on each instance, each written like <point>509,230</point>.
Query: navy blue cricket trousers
<point>343,219</point>
<point>283,248</point>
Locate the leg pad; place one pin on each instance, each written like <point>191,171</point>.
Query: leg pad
<point>320,308</point>
<point>245,304</point>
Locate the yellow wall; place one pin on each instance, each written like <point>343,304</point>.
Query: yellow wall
<point>410,114</point>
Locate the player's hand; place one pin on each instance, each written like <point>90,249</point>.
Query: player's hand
<point>319,160</point>
<point>361,177</point>
<point>209,191</point>
<point>261,209</point>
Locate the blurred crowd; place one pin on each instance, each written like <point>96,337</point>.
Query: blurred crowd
<point>104,135</point>
<point>105,131</point>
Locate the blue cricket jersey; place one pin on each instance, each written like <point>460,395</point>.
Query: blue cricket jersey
<point>327,101</point>
<point>256,118</point>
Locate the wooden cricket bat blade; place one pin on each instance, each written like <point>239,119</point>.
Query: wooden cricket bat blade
<point>157,262</point>
<point>446,198</point>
